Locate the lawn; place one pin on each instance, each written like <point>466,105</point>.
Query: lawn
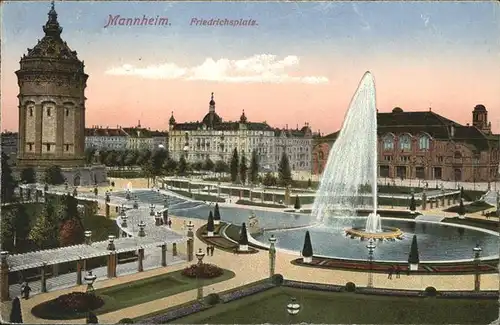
<point>100,226</point>
<point>344,308</point>
<point>138,292</point>
<point>473,207</point>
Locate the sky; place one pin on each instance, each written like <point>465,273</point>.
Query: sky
<point>291,63</point>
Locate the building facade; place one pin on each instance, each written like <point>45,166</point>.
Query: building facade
<point>120,139</point>
<point>426,145</point>
<point>216,139</point>
<point>51,96</point>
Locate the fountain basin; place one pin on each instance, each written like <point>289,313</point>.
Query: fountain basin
<point>387,233</point>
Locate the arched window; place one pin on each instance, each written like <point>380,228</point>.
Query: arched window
<point>458,155</point>
<point>66,111</point>
<point>31,111</point>
<point>424,142</point>
<point>388,142</point>
<point>48,111</point>
<point>405,142</point>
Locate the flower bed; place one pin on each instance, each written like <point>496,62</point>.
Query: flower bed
<point>245,292</point>
<point>176,313</point>
<point>204,271</point>
<point>313,286</point>
<point>69,306</point>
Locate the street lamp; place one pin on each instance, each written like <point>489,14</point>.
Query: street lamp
<point>371,248</point>
<point>293,307</point>
<point>89,280</point>
<point>152,209</point>
<point>199,255</point>
<point>477,259</point>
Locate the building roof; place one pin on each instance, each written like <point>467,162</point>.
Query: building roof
<point>438,127</point>
<point>105,132</point>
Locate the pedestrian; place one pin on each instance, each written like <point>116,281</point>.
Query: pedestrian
<point>398,272</point>
<point>391,270</point>
<point>212,248</point>
<point>208,250</point>
<point>169,223</point>
<point>26,290</point>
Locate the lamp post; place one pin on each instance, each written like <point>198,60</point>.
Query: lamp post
<point>272,255</point>
<point>371,248</point>
<point>199,255</point>
<point>152,209</point>
<point>477,259</point>
<point>89,280</point>
<point>293,307</point>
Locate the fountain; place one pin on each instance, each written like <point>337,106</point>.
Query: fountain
<point>350,177</point>
<point>129,186</point>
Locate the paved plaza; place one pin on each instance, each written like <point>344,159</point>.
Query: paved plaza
<point>248,268</point>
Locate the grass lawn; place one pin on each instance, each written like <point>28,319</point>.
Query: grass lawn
<point>473,207</point>
<point>139,292</point>
<point>345,308</point>
<point>100,226</point>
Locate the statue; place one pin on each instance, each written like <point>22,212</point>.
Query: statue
<point>253,225</point>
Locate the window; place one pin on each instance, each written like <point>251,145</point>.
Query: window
<point>67,111</point>
<point>48,146</point>
<point>388,142</point>
<point>424,143</point>
<point>30,146</point>
<point>405,142</point>
<point>457,155</point>
<point>31,111</point>
<point>67,147</point>
<point>48,111</point>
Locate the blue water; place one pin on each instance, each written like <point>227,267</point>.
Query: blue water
<point>435,242</point>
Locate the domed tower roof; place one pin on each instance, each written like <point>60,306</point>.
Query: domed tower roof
<point>480,108</point>
<point>171,121</point>
<point>397,110</point>
<point>243,118</point>
<point>211,118</point>
<point>212,101</point>
<point>51,45</point>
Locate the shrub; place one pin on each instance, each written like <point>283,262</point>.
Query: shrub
<point>430,292</point>
<point>277,279</point>
<point>126,321</point>
<point>205,271</point>
<point>212,299</point>
<point>350,287</point>
<point>78,302</point>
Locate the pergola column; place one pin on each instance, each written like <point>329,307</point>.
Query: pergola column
<point>449,200</point>
<point>262,196</point>
<point>107,210</point>
<point>174,249</point>
<point>274,198</point>
<point>55,269</point>
<point>165,216</point>
<point>189,187</point>
<point>79,268</point>
<point>164,255</point>
<point>4,277</point>
<point>43,278</point>
<point>218,191</point>
<point>250,195</point>
<point>112,261</point>
<point>209,188</point>
<point>140,266</point>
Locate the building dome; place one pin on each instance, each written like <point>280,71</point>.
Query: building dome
<point>211,118</point>
<point>397,110</point>
<point>243,118</point>
<point>480,108</point>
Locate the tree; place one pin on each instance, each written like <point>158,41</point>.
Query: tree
<point>92,318</point>
<point>413,257</point>
<point>243,235</point>
<point>155,163</point>
<point>8,183</point>
<point>210,223</point>
<point>44,232</point>
<point>309,183</point>
<point>413,204</point>
<point>220,167</point>
<point>7,229</point>
<point>54,176</point>
<point>121,156</point>
<point>20,223</point>
<point>284,171</point>
<point>144,156</point>
<point>111,159</point>
<point>297,203</point>
<point>234,166</point>
<point>89,155</point>
<point>102,156</point>
<point>208,165</point>
<point>71,233</point>
<point>243,169</point>
<point>28,175</point>
<point>197,165</point>
<point>461,208</point>
<point>307,250</point>
<point>269,180</point>
<point>131,158</point>
<point>169,165</point>
<point>16,316</point>
<point>216,212</point>
<point>254,167</point>
<point>182,166</point>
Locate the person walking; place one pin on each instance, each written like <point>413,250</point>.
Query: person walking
<point>212,248</point>
<point>208,250</point>
<point>26,290</point>
<point>170,223</point>
<point>391,271</point>
<point>398,272</point>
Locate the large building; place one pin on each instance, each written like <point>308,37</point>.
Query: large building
<point>9,143</point>
<point>51,96</point>
<point>216,139</point>
<point>426,145</point>
<point>120,139</point>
